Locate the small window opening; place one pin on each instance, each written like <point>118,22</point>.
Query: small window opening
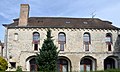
<point>16,36</point>
<point>118,36</point>
<point>109,47</point>
<point>13,64</point>
<point>35,46</point>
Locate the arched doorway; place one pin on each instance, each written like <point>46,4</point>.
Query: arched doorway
<point>87,64</point>
<point>110,63</point>
<point>63,64</point>
<point>33,65</point>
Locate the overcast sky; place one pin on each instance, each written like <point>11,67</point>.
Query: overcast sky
<point>103,9</point>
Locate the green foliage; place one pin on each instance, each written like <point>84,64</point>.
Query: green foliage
<point>109,70</point>
<point>3,64</point>
<point>48,55</point>
<point>19,69</point>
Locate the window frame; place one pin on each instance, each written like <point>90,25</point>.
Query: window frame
<point>15,36</point>
<point>86,42</point>
<point>36,39</point>
<point>62,47</point>
<point>86,45</point>
<point>62,35</point>
<point>109,47</point>
<point>89,38</point>
<point>35,47</point>
<point>62,41</point>
<point>108,35</point>
<point>109,43</point>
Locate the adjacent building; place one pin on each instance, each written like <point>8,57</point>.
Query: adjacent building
<point>1,48</point>
<point>85,43</point>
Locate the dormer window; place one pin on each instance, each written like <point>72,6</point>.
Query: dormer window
<point>85,22</point>
<point>67,22</point>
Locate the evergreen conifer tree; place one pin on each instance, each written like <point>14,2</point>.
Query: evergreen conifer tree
<point>48,55</point>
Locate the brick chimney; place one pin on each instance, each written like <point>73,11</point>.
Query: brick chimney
<point>24,15</point>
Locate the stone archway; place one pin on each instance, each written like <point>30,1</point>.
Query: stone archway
<point>87,63</point>
<point>63,64</point>
<point>31,64</point>
<point>110,63</point>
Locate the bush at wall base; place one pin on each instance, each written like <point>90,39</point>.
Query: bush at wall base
<point>3,64</point>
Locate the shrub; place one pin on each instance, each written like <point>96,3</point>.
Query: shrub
<point>109,70</point>
<point>3,64</point>
<point>19,69</point>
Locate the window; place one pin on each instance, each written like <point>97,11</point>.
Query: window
<point>13,64</point>
<point>86,37</point>
<point>67,22</point>
<point>118,36</point>
<point>36,37</point>
<point>86,40</point>
<point>36,40</point>
<point>108,38</point>
<point>35,46</point>
<point>62,65</point>
<point>61,40</point>
<point>16,36</point>
<point>61,47</point>
<point>109,41</point>
<point>109,47</point>
<point>61,37</point>
<point>86,47</point>
<point>33,65</point>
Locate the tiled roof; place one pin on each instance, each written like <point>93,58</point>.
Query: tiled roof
<point>61,22</point>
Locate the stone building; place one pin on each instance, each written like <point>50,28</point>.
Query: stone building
<point>1,48</point>
<point>85,43</point>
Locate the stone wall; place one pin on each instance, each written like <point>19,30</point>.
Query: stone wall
<point>21,49</point>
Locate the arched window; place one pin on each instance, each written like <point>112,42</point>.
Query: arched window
<point>61,37</point>
<point>61,40</point>
<point>109,41</point>
<point>16,36</point>
<point>86,37</point>
<point>86,40</point>
<point>62,65</point>
<point>108,38</point>
<point>33,65</point>
<point>109,63</point>
<point>36,37</point>
<point>87,64</point>
<point>36,40</point>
